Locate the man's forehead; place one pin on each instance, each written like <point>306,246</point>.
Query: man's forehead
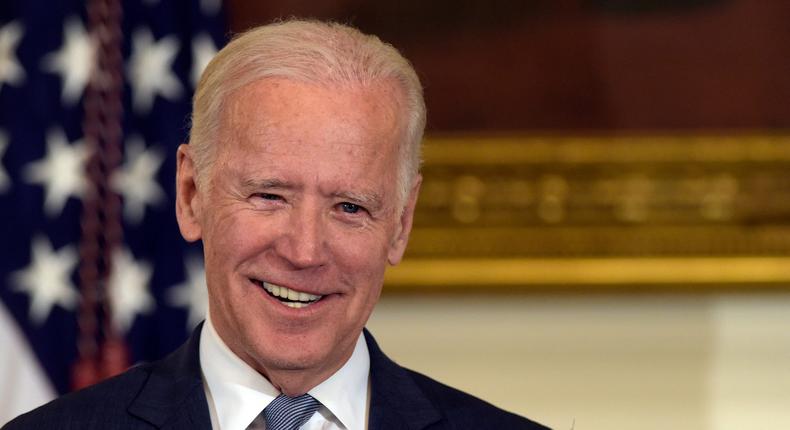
<point>269,148</point>
<point>280,116</point>
<point>383,97</point>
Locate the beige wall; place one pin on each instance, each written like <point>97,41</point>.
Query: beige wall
<point>604,362</point>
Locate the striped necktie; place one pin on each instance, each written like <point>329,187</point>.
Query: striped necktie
<point>289,413</point>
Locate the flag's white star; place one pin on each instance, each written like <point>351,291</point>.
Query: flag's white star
<point>128,289</point>
<point>203,50</point>
<point>48,279</point>
<point>74,61</point>
<point>10,69</point>
<point>136,180</point>
<point>191,294</point>
<point>150,70</point>
<point>61,172</point>
<point>210,7</point>
<point>5,183</point>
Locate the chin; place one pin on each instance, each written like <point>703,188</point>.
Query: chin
<point>301,362</point>
<point>295,352</point>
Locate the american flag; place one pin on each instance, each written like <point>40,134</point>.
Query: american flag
<point>94,275</point>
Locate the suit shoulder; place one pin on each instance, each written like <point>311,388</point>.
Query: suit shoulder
<point>466,411</point>
<point>102,405</point>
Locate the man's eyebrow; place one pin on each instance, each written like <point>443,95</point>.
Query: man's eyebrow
<point>369,199</point>
<point>267,183</point>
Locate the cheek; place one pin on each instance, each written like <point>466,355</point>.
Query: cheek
<point>364,251</point>
<point>230,249</point>
<point>235,235</point>
<point>362,262</point>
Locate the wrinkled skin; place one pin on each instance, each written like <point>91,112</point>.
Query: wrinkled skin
<point>303,194</point>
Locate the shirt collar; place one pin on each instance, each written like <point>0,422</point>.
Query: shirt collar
<point>239,393</point>
<point>345,393</point>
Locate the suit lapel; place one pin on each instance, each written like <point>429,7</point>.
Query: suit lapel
<point>396,402</point>
<point>173,395</point>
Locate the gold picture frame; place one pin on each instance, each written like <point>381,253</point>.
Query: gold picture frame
<point>684,212</point>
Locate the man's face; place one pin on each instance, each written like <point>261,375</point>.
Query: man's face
<point>302,199</point>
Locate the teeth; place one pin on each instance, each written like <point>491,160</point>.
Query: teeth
<point>297,299</point>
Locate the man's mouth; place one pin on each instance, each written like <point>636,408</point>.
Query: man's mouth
<point>287,296</point>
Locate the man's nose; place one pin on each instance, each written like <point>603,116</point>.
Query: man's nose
<point>303,244</point>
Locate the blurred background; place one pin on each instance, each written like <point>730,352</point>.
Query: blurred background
<point>602,239</point>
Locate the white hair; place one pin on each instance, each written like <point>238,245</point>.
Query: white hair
<point>315,52</point>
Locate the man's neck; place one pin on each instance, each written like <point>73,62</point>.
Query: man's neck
<point>234,388</point>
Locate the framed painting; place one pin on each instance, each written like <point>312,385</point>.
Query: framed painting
<point>590,145</point>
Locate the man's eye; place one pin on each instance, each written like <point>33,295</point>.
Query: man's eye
<point>267,196</point>
<point>350,208</point>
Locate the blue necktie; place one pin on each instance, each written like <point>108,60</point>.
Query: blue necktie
<point>289,413</point>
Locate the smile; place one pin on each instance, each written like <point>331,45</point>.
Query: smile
<point>289,297</point>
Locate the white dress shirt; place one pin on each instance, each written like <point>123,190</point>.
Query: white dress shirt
<point>237,394</point>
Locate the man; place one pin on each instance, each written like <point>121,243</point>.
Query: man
<point>300,178</point>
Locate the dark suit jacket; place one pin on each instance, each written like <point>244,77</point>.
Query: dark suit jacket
<point>168,394</point>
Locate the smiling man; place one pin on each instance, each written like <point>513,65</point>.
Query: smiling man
<point>300,177</point>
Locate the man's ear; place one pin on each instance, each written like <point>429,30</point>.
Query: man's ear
<point>188,200</point>
<point>401,239</point>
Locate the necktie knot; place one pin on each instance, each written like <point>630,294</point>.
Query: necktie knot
<point>289,413</point>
